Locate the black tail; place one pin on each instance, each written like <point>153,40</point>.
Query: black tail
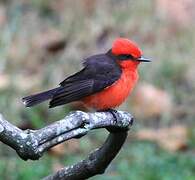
<point>40,97</point>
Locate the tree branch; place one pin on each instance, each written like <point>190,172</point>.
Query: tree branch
<point>95,163</point>
<point>31,144</point>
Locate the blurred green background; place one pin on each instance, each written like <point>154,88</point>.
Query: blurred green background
<point>43,41</point>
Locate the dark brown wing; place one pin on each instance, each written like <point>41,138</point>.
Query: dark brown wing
<point>99,72</point>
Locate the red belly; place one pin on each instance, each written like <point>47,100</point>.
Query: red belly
<point>115,94</point>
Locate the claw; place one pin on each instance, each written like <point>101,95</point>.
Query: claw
<point>115,114</point>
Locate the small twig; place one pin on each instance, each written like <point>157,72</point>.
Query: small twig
<point>31,144</point>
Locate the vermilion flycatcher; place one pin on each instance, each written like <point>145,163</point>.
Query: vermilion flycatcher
<point>104,83</point>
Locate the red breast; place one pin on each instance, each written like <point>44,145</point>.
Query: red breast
<point>114,95</point>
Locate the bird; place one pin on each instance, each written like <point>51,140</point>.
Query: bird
<point>104,82</point>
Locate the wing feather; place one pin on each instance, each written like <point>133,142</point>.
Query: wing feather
<point>100,71</point>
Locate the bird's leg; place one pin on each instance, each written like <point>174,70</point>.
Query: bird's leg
<point>116,118</point>
<point>114,114</point>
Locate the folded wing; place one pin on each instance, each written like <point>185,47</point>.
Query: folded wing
<point>100,71</point>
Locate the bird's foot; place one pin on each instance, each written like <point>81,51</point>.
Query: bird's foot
<point>116,116</point>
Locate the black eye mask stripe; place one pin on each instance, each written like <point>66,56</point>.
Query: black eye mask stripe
<point>125,57</point>
<point>121,57</point>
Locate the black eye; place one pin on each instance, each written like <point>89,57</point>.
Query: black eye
<point>125,57</point>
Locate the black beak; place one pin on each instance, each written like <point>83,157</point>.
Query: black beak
<point>143,59</point>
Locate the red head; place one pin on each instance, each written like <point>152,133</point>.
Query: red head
<point>128,53</point>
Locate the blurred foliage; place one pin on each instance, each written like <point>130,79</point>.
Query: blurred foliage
<point>43,41</point>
